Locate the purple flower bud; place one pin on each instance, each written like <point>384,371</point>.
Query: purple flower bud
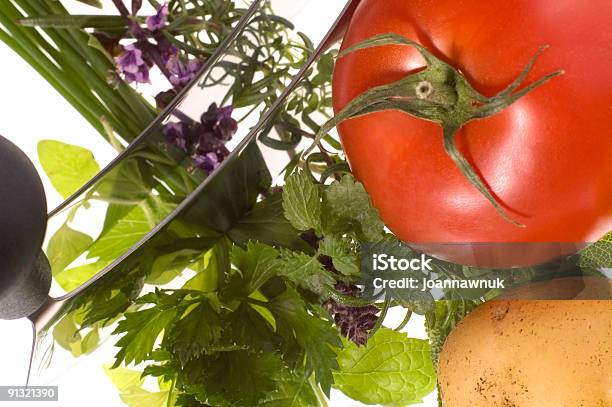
<point>132,65</point>
<point>220,122</point>
<point>177,134</point>
<point>226,128</point>
<point>158,21</point>
<point>181,73</point>
<point>208,162</point>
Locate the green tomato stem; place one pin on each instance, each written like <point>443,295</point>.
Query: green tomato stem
<point>440,94</point>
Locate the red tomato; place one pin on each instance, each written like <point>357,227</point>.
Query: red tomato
<point>547,157</point>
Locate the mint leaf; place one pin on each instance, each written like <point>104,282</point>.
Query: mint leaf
<point>347,208</point>
<point>315,336</point>
<point>65,246</point>
<point>598,255</point>
<point>141,331</point>
<point>343,257</point>
<point>305,271</point>
<point>68,166</point>
<point>391,370</point>
<point>302,202</point>
<point>195,332</point>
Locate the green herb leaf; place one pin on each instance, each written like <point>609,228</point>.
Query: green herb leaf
<point>235,378</point>
<point>256,264</point>
<point>68,166</point>
<point>293,391</point>
<point>302,202</point>
<point>267,224</point>
<point>75,277</point>
<point>598,255</point>
<point>195,332</point>
<point>141,331</point>
<point>115,241</point>
<point>315,336</point>
<point>347,207</point>
<point>391,370</point>
<point>65,246</point>
<point>305,271</point>
<point>345,260</point>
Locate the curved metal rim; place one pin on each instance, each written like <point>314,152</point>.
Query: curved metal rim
<point>208,65</point>
<point>268,114</point>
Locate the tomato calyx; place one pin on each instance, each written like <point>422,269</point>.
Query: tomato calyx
<point>441,94</point>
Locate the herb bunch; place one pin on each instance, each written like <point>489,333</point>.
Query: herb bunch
<point>265,306</point>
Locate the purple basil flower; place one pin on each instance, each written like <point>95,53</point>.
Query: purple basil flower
<point>220,122</point>
<point>226,128</point>
<point>204,140</point>
<point>177,134</point>
<point>158,21</point>
<point>208,162</point>
<point>353,322</point>
<point>132,65</point>
<point>181,72</point>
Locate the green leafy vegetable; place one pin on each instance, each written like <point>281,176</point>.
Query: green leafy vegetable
<point>305,271</point>
<point>391,370</point>
<point>65,246</point>
<point>316,336</point>
<point>347,206</point>
<point>302,202</point>
<point>68,167</point>
<point>598,255</point>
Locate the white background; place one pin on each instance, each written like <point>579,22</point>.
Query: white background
<point>30,111</point>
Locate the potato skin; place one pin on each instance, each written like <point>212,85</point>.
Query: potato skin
<point>530,353</point>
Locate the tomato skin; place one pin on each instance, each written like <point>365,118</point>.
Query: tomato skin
<point>547,157</point>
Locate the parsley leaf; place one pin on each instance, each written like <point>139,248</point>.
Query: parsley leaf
<point>141,330</point>
<point>314,335</point>
<point>235,378</point>
<point>292,391</point>
<point>305,271</point>
<point>255,264</point>
<point>191,335</point>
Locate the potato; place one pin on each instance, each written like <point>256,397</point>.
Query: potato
<point>533,353</point>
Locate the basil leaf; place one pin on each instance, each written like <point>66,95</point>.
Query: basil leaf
<point>115,241</point>
<point>65,246</point>
<point>302,202</point>
<point>391,370</point>
<point>76,276</point>
<point>68,166</point>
